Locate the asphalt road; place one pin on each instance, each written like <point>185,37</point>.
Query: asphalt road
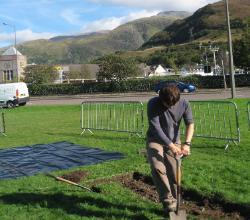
<point>205,94</point>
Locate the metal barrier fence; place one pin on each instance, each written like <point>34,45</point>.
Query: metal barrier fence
<point>112,116</point>
<point>216,120</point>
<point>2,124</point>
<point>213,119</point>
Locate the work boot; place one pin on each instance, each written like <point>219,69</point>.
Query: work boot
<point>169,205</point>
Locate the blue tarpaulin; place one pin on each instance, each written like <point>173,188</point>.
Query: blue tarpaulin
<point>43,158</point>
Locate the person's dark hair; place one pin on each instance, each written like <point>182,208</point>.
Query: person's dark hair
<point>169,94</point>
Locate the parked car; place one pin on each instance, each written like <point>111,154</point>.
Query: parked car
<point>184,87</point>
<point>12,94</point>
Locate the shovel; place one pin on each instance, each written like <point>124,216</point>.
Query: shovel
<point>93,189</point>
<point>178,214</point>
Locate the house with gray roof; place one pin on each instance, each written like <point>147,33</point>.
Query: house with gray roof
<point>79,72</point>
<point>12,64</point>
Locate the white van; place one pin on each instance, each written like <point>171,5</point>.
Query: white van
<point>12,94</point>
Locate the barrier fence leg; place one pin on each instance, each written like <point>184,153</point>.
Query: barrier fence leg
<point>227,145</point>
<point>87,130</point>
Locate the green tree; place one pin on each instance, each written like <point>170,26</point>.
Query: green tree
<point>242,48</point>
<point>115,68</point>
<point>39,74</point>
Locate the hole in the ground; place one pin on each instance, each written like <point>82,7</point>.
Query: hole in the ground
<point>193,202</point>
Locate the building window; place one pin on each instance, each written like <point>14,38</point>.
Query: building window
<point>8,75</point>
<point>4,76</point>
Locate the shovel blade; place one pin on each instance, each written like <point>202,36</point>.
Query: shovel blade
<point>181,215</point>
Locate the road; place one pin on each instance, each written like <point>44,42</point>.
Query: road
<point>204,94</point>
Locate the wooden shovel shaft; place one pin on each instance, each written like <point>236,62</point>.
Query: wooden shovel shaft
<point>70,182</point>
<point>179,214</point>
<point>178,184</point>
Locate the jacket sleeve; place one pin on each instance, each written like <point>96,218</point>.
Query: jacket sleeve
<point>188,116</point>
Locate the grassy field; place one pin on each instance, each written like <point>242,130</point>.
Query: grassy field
<point>209,171</point>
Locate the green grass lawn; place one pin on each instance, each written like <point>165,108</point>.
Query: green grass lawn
<point>210,170</point>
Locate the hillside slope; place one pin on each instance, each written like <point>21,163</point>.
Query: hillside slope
<point>206,24</point>
<point>81,49</point>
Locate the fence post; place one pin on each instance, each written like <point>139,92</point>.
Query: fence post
<point>2,124</point>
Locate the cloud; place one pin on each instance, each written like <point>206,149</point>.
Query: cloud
<point>25,35</point>
<point>186,5</point>
<point>70,16</point>
<point>113,22</point>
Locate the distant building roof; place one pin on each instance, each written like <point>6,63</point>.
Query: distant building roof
<point>11,51</point>
<point>90,70</point>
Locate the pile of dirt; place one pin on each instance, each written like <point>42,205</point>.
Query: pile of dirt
<point>75,176</point>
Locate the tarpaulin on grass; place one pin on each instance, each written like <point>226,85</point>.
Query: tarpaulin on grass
<point>43,158</point>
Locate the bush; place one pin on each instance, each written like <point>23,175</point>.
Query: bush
<point>135,85</point>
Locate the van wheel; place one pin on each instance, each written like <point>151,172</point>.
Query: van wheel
<point>10,104</point>
<point>22,104</point>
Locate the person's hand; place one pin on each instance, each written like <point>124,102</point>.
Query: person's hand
<point>175,149</point>
<point>185,149</point>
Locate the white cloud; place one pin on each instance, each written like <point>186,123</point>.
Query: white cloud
<point>113,22</point>
<point>25,35</point>
<point>186,5</point>
<point>70,16</point>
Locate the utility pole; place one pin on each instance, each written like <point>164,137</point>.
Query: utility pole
<point>14,29</point>
<point>223,72</point>
<point>214,50</point>
<point>191,34</point>
<point>230,47</point>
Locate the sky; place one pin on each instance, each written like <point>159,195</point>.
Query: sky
<point>44,19</point>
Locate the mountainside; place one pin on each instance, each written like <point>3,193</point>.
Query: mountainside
<point>175,13</point>
<point>206,24</point>
<point>81,36</point>
<point>83,48</point>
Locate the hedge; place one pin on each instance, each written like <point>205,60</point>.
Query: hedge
<point>135,85</point>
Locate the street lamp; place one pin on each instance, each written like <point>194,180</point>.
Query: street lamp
<point>231,61</point>
<point>14,28</point>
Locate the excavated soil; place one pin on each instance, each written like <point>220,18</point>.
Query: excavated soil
<point>193,203</point>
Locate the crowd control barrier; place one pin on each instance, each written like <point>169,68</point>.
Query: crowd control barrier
<point>213,119</point>
<point>112,116</point>
<point>216,120</point>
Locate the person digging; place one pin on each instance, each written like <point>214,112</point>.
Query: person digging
<point>165,113</point>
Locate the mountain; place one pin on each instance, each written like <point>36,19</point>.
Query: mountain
<point>81,36</point>
<point>83,48</point>
<point>206,24</point>
<point>175,13</point>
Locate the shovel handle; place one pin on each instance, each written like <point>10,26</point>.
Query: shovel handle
<point>72,183</point>
<point>69,182</point>
<point>178,180</point>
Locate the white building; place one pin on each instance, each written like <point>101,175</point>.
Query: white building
<point>160,71</point>
<point>196,70</point>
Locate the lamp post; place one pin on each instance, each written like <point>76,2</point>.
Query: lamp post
<point>230,47</point>
<point>14,28</point>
